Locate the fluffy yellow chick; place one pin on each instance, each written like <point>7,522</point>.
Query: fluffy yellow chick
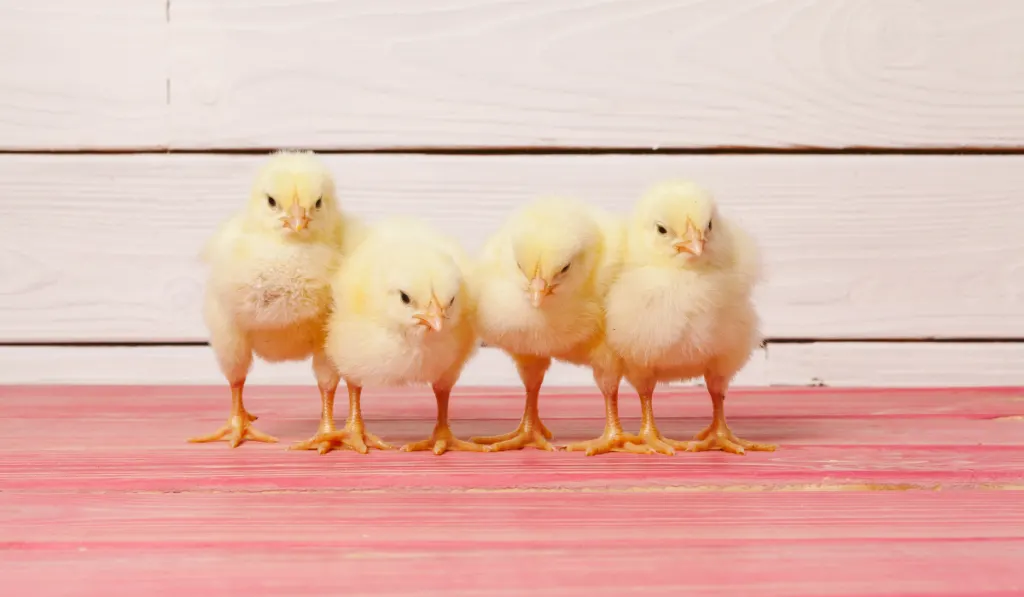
<point>682,307</point>
<point>402,315</point>
<point>268,291</point>
<point>541,284</point>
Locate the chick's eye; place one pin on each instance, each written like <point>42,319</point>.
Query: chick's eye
<point>451,302</point>
<point>709,225</point>
<point>405,297</point>
<point>319,203</point>
<point>271,202</point>
<point>662,229</point>
<point>566,268</point>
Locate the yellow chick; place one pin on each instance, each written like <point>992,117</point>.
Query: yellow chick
<point>403,315</point>
<point>541,284</point>
<point>682,307</point>
<point>268,291</point>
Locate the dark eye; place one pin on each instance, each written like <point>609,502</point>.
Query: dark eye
<point>319,203</point>
<point>271,202</point>
<point>709,225</point>
<point>405,298</point>
<point>662,229</point>
<point>451,302</point>
<point>566,268</point>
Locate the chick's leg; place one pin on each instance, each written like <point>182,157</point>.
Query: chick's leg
<point>650,440</point>
<point>531,432</point>
<point>718,436</point>
<point>442,438</point>
<point>354,436</point>
<point>326,437</point>
<point>614,439</point>
<point>239,426</point>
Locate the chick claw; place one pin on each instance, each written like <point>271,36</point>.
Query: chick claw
<point>615,442</point>
<point>240,429</point>
<point>720,437</point>
<point>442,440</point>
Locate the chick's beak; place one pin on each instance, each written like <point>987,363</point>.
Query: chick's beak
<point>433,317</point>
<point>538,290</point>
<point>299,219</point>
<point>695,243</point>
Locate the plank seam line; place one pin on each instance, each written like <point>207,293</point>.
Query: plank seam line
<point>536,151</point>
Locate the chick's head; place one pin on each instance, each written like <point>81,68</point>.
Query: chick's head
<point>675,220</point>
<point>417,289</point>
<point>554,244</point>
<point>294,195</point>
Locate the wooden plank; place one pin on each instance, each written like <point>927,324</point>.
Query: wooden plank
<point>771,568</point>
<point>150,464</point>
<point>472,403</point>
<point>189,365</point>
<point>83,75</point>
<point>644,73</point>
<point>841,235</point>
<point>52,521</point>
<point>897,364</point>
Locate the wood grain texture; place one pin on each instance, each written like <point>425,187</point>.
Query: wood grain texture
<point>897,364</point>
<point>120,506</point>
<point>636,73</point>
<point>189,365</point>
<point>77,75</point>
<point>868,364</point>
<point>106,247</point>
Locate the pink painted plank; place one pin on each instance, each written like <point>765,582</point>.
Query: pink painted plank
<point>482,403</point>
<point>768,568</point>
<point>165,434</point>
<point>499,519</point>
<point>268,467</point>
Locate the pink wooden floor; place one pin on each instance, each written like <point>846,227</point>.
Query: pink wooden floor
<point>893,493</point>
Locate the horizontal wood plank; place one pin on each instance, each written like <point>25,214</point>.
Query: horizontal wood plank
<point>192,365</point>
<point>636,73</point>
<point>771,568</point>
<point>52,521</point>
<point>106,247</point>
<point>897,364</point>
<point>48,402</point>
<point>83,75</point>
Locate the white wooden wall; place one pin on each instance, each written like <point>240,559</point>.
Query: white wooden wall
<point>121,123</point>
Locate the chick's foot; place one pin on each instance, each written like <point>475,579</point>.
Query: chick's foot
<point>718,436</point>
<point>356,437</point>
<point>238,429</point>
<point>616,441</point>
<point>323,442</point>
<point>504,437</point>
<point>650,441</point>
<point>442,440</point>
<point>527,437</point>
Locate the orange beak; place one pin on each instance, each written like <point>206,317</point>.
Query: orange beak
<point>298,220</point>
<point>695,244</point>
<point>433,318</point>
<point>538,290</point>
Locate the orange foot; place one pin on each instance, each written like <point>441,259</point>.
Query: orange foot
<point>323,442</point>
<point>617,441</point>
<point>650,441</point>
<point>442,440</point>
<point>718,436</point>
<point>239,428</point>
